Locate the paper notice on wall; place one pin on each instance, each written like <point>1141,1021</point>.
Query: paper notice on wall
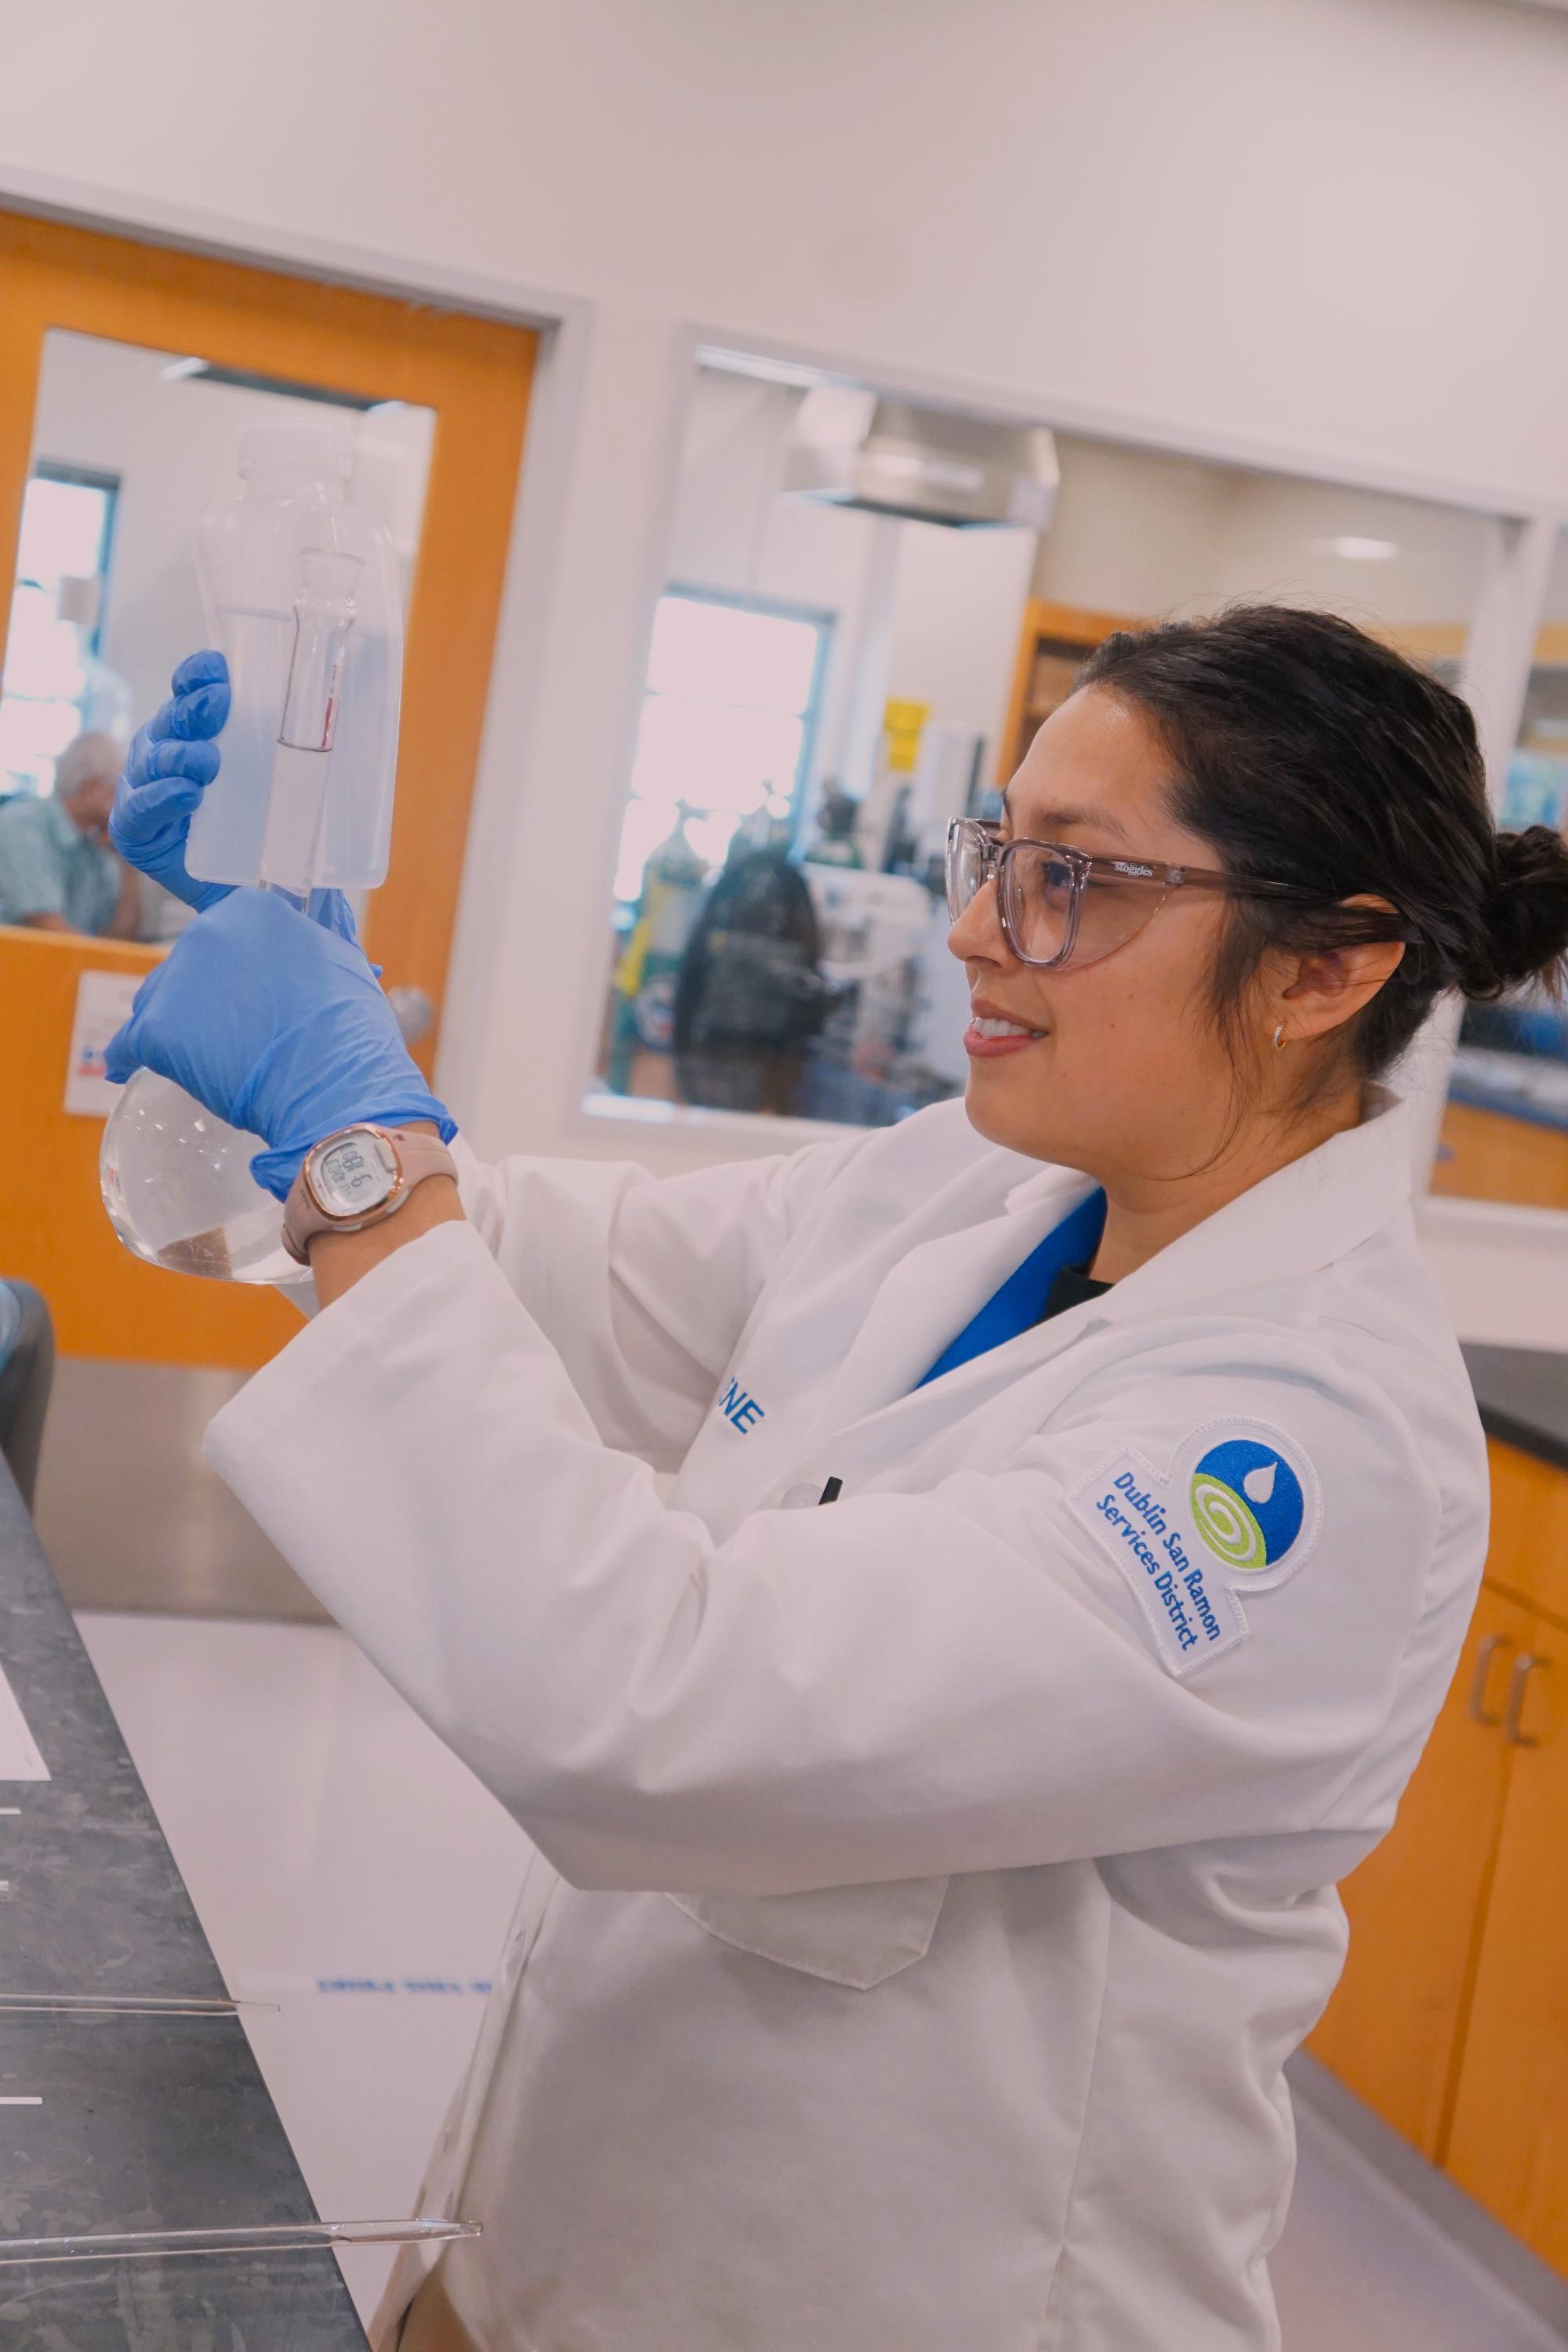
<point>19,1756</point>
<point>102,1005</point>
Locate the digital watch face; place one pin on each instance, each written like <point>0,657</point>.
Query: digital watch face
<point>354,1175</point>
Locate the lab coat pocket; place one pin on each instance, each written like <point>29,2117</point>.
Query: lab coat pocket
<point>855,1935</point>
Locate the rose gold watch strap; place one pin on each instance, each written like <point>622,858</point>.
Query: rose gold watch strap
<point>418,1155</point>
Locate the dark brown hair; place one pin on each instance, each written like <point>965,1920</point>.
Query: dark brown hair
<point>1309,752</point>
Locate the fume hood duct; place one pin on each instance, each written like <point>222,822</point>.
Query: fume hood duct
<point>847,448</point>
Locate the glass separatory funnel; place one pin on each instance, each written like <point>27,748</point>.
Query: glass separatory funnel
<point>303,592</point>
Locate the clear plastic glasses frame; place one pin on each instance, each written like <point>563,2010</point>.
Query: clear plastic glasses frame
<point>1059,905</point>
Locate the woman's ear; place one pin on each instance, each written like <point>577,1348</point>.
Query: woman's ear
<point>1328,986</point>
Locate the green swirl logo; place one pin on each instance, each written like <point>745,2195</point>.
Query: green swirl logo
<point>1227,1525</point>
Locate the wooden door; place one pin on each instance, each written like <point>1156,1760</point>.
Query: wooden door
<point>1509,2144</point>
<point>1392,2030</point>
<point>1056,639</point>
<point>474,374</point>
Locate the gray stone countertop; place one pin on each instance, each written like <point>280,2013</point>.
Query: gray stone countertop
<point>1523,1396</point>
<point>145,2122</point>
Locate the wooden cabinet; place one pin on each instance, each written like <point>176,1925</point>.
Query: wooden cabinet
<point>1392,2030</point>
<point>1056,640</point>
<point>1528,1551</point>
<point>1485,1156</point>
<point>1508,2143</point>
<point>1451,2019</point>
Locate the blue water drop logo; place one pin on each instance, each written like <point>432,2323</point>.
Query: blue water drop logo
<point>1247,1503</point>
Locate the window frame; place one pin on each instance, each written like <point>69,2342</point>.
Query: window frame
<point>782,608</point>
<point>110,486</point>
<point>89,478</point>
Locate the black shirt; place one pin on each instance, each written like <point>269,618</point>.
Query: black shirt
<point>1073,1287</point>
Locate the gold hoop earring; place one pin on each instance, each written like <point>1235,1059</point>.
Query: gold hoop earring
<point>1279,1038</point>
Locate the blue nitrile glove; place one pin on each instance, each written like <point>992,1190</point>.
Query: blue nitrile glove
<point>169,766</point>
<point>277,1025</point>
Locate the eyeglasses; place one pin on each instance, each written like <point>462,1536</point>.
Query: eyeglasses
<point>1060,906</point>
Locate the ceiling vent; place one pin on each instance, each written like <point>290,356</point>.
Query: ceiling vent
<point>849,448</point>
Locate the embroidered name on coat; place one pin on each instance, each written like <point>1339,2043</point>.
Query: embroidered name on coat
<point>739,1409</point>
<point>1128,1508</point>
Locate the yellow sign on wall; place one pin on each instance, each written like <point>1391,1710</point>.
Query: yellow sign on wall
<point>902,723</point>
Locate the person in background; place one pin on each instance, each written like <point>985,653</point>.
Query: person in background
<point>57,872</point>
<point>837,817</point>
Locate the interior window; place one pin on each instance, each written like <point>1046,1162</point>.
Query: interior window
<point>728,717</point>
<point>55,683</point>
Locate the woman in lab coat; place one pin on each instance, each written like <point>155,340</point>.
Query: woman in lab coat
<point>938,1792</point>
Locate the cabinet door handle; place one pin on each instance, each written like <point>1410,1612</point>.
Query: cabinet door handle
<point>1486,1651</point>
<point>1523,1667</point>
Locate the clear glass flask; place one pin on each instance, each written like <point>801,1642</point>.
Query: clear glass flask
<point>290,577</point>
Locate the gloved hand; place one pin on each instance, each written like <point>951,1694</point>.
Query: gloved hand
<point>170,764</point>
<point>276,1024</point>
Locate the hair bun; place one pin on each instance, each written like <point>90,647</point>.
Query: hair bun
<point>1527,914</point>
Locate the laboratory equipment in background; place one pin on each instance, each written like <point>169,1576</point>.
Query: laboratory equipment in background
<point>896,759</point>
<point>869,1064</point>
<point>103,697</point>
<point>750,994</point>
<point>947,780</point>
<point>301,594</point>
<point>1535,784</point>
<point>838,821</point>
<point>642,1020</point>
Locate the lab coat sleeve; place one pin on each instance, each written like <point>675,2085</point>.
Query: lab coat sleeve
<point>643,1285</point>
<point>894,1686</point>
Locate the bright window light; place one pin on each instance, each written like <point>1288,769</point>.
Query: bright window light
<point>64,535</point>
<point>32,737</point>
<point>726,725</point>
<point>62,529</point>
<point>1351,549</point>
<point>647,822</point>
<point>43,655</point>
<point>712,755</point>
<point>730,653</point>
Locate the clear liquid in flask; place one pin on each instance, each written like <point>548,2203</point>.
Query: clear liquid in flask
<point>177,1185</point>
<point>175,1180</point>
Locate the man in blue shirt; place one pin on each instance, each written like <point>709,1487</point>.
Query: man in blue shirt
<point>57,872</point>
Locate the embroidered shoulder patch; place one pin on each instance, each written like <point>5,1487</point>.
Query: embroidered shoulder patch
<point>1238,1509</point>
<point>1126,1505</point>
<point>1253,1498</point>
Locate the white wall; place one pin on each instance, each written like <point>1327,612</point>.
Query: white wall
<point>1277,543</point>
<point>957,615</point>
<point>1321,232</point>
<point>1325,222</point>
<point>1134,532</point>
<point>1142,533</point>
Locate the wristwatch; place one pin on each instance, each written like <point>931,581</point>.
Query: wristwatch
<point>354,1178</point>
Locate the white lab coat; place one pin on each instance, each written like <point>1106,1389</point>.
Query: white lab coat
<point>916,1935</point>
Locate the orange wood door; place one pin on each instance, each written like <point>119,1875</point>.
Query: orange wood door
<point>475,374</point>
<point>1063,635</point>
<point>1509,2145</point>
<point>1392,2030</point>
<point>1529,1554</point>
<point>53,1228</point>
